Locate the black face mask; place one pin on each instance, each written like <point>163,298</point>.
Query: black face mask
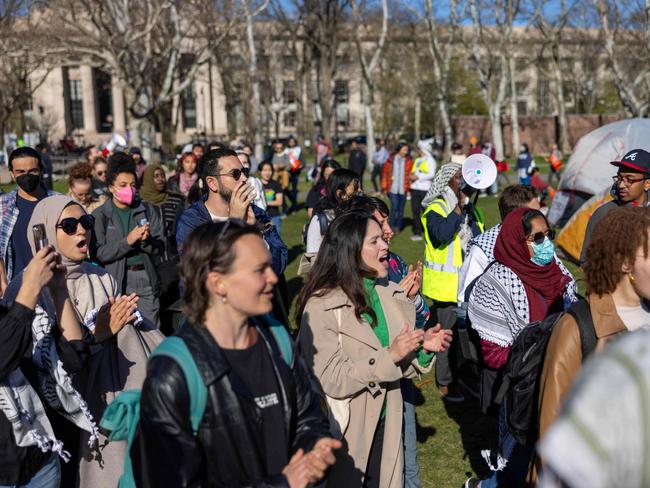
<point>28,182</point>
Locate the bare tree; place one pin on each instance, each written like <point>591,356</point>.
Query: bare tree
<point>553,33</point>
<point>368,66</point>
<point>23,67</point>
<point>441,48</point>
<point>151,46</point>
<point>633,86</point>
<point>493,65</point>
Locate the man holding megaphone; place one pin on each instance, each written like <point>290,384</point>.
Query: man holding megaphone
<point>450,221</point>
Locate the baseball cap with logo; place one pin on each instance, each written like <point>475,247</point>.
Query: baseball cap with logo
<point>636,160</point>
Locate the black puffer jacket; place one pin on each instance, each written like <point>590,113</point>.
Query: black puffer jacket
<point>225,452</point>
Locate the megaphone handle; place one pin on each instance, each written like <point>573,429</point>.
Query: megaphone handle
<point>476,197</point>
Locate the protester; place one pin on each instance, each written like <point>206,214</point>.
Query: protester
<point>197,150</point>
<point>474,146</point>
<point>341,185</point>
<point>487,149</point>
<point>16,209</point>
<point>480,251</point>
<point>31,384</point>
<point>396,183</point>
<point>319,191</point>
<point>91,153</point>
<point>260,199</point>
<point>536,181</point>
<point>449,221</point>
<point>616,274</point>
<point>281,163</point>
<point>272,192</point>
<point>229,196</point>
<point>422,173</point>
<point>48,168</point>
<point>555,165</point>
<point>140,163</point>
<point>100,170</point>
<point>457,154</point>
<point>631,187</point>
<point>185,177</point>
<point>600,438</point>
<point>525,285</point>
<point>378,160</point>
<point>524,163</point>
<point>168,206</point>
<point>296,164</point>
<point>80,187</point>
<point>275,433</point>
<point>128,237</point>
<point>248,150</point>
<point>409,279</point>
<point>347,318</point>
<point>323,152</point>
<point>357,160</point>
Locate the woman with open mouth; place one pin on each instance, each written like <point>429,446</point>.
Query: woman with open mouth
<point>356,334</point>
<point>117,349</point>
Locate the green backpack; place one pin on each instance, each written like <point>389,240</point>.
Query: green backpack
<point>122,416</point>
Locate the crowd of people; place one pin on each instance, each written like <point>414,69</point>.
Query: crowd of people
<point>147,339</point>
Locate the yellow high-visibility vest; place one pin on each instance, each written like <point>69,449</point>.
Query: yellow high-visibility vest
<point>442,264</point>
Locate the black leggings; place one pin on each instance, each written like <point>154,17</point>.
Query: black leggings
<point>373,469</point>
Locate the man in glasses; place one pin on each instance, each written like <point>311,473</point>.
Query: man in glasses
<point>230,196</point>
<point>16,208</point>
<point>631,187</point>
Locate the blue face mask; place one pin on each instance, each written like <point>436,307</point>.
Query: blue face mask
<point>543,253</point>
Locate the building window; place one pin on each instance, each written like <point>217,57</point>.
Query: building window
<point>341,91</point>
<point>76,105</point>
<point>543,100</point>
<point>522,108</point>
<point>104,94</point>
<point>521,87</point>
<point>189,107</point>
<point>289,92</point>
<point>287,62</point>
<point>342,115</point>
<point>290,119</point>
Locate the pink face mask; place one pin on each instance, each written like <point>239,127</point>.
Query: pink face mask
<point>125,194</point>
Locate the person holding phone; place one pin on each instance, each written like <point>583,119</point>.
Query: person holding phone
<point>128,239</point>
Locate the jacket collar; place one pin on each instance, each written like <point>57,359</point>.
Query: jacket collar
<point>604,315</point>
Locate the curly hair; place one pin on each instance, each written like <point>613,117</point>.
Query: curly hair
<point>614,242</point>
<point>80,171</point>
<point>209,247</point>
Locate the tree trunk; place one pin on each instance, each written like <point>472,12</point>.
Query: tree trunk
<point>443,108</point>
<point>167,129</point>
<point>514,109</point>
<point>417,120</point>
<point>370,124</point>
<point>252,68</point>
<point>563,142</point>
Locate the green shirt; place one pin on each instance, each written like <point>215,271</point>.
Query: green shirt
<point>125,216</point>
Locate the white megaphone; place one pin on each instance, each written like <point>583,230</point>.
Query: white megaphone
<point>116,140</point>
<point>479,172</point>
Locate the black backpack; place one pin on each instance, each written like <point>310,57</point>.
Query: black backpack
<point>322,222</point>
<point>519,390</point>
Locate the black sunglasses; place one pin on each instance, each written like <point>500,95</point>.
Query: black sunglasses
<point>538,237</point>
<point>236,173</point>
<point>69,225</point>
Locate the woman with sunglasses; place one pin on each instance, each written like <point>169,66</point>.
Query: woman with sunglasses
<point>525,284</point>
<point>617,274</point>
<point>129,237</point>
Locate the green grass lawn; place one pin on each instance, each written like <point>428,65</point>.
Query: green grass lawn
<point>450,436</point>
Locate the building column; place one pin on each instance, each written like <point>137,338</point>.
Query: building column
<point>119,111</point>
<point>89,101</point>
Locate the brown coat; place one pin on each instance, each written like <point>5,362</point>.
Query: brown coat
<point>362,370</point>
<point>563,358</point>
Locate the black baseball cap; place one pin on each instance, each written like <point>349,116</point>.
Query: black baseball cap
<point>636,160</point>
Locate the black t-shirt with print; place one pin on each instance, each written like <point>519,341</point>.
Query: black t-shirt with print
<point>254,368</point>
<point>271,189</point>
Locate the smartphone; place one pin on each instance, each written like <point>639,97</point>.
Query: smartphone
<point>40,238</point>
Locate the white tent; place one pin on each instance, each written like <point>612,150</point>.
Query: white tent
<point>588,169</point>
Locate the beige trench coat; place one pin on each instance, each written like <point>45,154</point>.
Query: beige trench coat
<point>361,369</point>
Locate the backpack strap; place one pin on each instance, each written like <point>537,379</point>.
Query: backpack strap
<point>470,287</point>
<point>282,339</point>
<point>175,348</point>
<point>581,312</point>
<point>322,222</point>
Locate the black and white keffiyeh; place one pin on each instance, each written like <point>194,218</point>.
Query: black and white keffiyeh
<point>20,402</point>
<point>498,305</point>
<point>486,242</point>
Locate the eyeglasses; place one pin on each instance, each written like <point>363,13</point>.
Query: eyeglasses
<point>236,173</point>
<point>628,181</point>
<point>538,237</point>
<point>69,225</point>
